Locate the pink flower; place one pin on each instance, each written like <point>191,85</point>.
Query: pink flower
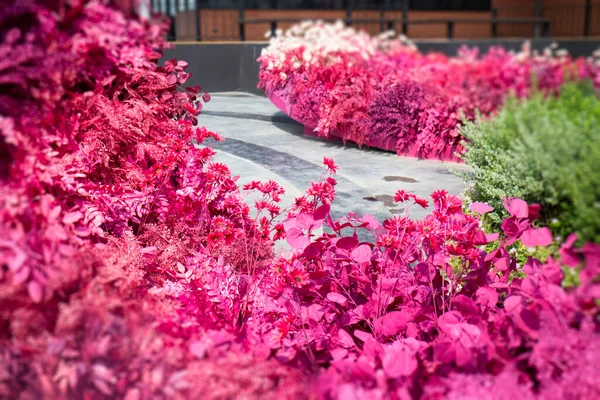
<point>330,164</point>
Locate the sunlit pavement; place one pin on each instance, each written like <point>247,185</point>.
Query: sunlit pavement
<point>263,143</point>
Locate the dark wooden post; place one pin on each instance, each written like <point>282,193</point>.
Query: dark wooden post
<point>242,21</point>
<point>348,12</point>
<point>538,14</point>
<point>405,17</point>
<point>587,18</point>
<point>494,24</point>
<point>546,29</point>
<point>171,35</point>
<point>450,29</point>
<point>198,21</point>
<point>273,28</point>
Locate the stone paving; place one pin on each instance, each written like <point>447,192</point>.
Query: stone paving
<point>263,143</point>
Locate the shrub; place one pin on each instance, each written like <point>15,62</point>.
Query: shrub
<point>544,150</point>
<point>382,92</point>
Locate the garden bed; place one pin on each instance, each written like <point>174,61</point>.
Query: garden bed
<point>131,267</point>
<point>382,92</point>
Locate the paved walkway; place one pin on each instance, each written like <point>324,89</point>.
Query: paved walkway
<point>263,143</point>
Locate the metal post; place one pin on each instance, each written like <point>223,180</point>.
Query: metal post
<point>198,21</point>
<point>587,18</point>
<point>382,21</point>
<point>405,17</point>
<point>538,14</point>
<point>494,24</point>
<point>450,29</point>
<point>242,21</point>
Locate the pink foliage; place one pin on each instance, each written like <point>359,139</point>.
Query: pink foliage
<point>382,93</point>
<point>130,266</point>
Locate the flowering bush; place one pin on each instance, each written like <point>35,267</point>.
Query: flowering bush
<point>382,92</point>
<point>131,268</point>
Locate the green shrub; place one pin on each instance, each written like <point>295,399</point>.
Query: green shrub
<point>544,150</point>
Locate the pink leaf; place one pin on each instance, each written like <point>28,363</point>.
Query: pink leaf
<point>512,302</point>
<point>296,238</point>
<point>371,222</point>
<point>516,207</point>
<point>536,237</point>
<point>481,208</point>
<point>568,254</point>
<point>345,339</point>
<point>72,217</point>
<point>198,349</point>
<point>362,253</point>
<point>393,322</point>
<point>347,243</point>
<point>337,298</point>
<point>321,213</point>
<point>362,335</point>
<point>148,250</point>
<point>35,291</point>
<point>305,221</point>
<point>399,361</point>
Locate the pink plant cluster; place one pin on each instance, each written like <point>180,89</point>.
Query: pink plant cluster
<point>382,92</point>
<point>131,266</point>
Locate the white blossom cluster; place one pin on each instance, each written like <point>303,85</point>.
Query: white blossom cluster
<point>324,42</point>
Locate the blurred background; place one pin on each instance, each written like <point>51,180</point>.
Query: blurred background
<point>248,20</point>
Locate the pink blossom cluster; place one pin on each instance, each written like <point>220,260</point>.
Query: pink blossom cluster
<point>382,92</point>
<point>131,267</point>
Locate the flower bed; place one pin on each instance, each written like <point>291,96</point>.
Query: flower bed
<point>131,268</point>
<point>382,92</point>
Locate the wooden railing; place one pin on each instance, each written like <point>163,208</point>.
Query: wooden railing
<point>542,24</point>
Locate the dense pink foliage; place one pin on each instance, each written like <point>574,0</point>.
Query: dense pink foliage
<point>385,94</point>
<point>132,268</point>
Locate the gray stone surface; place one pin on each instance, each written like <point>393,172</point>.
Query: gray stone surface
<point>263,143</point>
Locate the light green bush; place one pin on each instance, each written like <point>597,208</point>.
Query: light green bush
<point>545,150</point>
